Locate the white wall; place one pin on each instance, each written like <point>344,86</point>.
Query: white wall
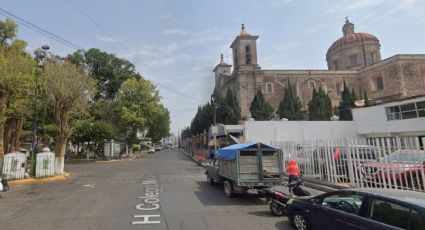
<point>372,122</point>
<point>275,131</point>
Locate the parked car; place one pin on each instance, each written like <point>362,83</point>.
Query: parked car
<point>352,209</point>
<point>157,148</point>
<point>405,167</point>
<point>334,159</point>
<point>151,150</point>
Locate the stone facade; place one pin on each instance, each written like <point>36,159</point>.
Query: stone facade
<point>354,58</point>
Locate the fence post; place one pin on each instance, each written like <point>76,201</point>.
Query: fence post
<point>349,163</point>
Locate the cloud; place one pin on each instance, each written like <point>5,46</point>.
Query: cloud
<point>165,16</point>
<point>106,39</point>
<point>173,31</point>
<point>168,48</point>
<point>207,36</point>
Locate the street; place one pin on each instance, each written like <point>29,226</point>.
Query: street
<point>164,190</point>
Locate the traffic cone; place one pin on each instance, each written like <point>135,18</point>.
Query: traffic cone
<point>201,157</point>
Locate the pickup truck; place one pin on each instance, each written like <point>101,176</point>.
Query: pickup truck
<point>245,166</point>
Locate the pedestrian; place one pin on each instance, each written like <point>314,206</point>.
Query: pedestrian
<point>294,173</point>
<point>211,153</point>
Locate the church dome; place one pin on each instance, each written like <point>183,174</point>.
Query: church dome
<point>350,38</point>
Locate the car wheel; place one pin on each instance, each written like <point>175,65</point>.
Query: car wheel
<point>228,189</point>
<point>210,180</point>
<point>300,221</point>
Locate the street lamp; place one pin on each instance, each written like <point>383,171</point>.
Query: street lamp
<point>40,55</point>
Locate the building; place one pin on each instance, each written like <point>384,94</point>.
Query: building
<point>354,58</point>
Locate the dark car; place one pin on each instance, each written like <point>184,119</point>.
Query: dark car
<point>403,167</point>
<point>354,209</point>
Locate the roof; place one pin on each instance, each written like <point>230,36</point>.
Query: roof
<point>230,151</point>
<point>349,38</point>
<point>417,198</point>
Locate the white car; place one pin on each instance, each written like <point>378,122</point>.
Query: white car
<point>151,150</point>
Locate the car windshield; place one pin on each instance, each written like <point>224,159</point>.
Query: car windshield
<point>406,157</point>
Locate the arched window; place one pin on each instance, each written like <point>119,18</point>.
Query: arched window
<point>248,54</point>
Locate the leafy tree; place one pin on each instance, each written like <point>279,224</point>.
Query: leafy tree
<point>320,106</point>
<point>91,131</point>
<point>260,109</point>
<point>228,109</point>
<point>138,100</point>
<point>68,90</point>
<point>17,70</point>
<point>347,102</point>
<point>290,106</point>
<point>159,127</point>
<point>108,70</point>
<point>202,120</point>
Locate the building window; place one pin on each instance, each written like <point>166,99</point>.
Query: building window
<point>353,60</point>
<point>406,111</point>
<point>312,84</point>
<point>372,57</point>
<point>377,83</point>
<point>336,65</point>
<point>248,54</point>
<point>269,87</point>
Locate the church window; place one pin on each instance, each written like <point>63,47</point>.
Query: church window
<point>353,60</point>
<point>248,54</point>
<point>372,57</point>
<point>312,84</point>
<point>336,65</point>
<point>377,83</point>
<point>269,87</point>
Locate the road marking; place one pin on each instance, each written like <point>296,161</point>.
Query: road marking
<point>89,185</point>
<point>150,202</point>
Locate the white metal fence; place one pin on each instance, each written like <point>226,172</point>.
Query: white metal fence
<point>14,165</point>
<point>45,165</point>
<point>396,162</point>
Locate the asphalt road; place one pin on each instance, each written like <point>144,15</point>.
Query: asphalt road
<point>164,190</point>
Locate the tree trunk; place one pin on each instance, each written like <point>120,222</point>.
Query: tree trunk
<point>18,131</point>
<point>6,136</point>
<point>60,156</point>
<point>3,103</point>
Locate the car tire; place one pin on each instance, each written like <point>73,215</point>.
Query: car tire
<point>228,189</point>
<point>276,209</point>
<point>210,180</point>
<point>300,221</point>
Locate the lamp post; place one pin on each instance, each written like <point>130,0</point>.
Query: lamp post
<point>40,55</point>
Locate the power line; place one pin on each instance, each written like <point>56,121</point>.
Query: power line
<point>40,30</point>
<point>95,23</point>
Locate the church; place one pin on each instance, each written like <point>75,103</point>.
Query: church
<point>354,58</point>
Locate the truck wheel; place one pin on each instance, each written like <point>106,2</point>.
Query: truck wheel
<point>210,180</point>
<point>228,188</point>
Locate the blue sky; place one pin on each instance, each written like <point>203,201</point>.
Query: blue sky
<point>176,44</point>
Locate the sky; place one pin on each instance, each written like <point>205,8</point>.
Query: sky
<point>176,44</point>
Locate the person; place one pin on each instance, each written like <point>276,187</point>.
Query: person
<point>294,172</point>
<point>211,153</point>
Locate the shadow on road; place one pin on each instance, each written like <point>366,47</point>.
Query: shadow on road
<point>284,224</point>
<point>214,195</point>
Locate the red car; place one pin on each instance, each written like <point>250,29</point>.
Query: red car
<point>401,168</point>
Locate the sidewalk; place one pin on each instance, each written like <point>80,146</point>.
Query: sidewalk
<point>307,182</point>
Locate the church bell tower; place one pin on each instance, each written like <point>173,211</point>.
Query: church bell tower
<point>244,49</point>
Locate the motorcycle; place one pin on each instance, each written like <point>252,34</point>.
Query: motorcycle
<point>4,185</point>
<point>277,200</point>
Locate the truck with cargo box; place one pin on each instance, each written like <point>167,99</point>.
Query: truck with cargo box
<point>246,166</point>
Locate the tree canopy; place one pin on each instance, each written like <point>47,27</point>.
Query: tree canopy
<point>347,102</point>
<point>320,106</point>
<point>290,106</point>
<point>260,109</point>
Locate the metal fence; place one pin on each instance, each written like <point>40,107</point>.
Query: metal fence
<point>14,165</point>
<point>45,165</point>
<point>396,162</point>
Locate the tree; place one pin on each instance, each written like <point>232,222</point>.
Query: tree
<point>108,70</point>
<point>228,109</point>
<point>17,70</point>
<point>68,90</point>
<point>260,109</point>
<point>138,100</point>
<point>347,102</point>
<point>159,127</point>
<point>290,106</point>
<point>320,106</point>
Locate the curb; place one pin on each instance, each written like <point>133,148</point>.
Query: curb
<point>83,161</point>
<point>38,180</point>
<point>193,159</point>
